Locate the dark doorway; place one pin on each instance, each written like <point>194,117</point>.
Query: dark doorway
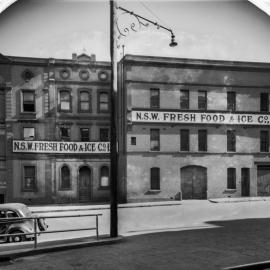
<point>263,180</point>
<point>194,182</point>
<point>84,184</point>
<point>2,198</point>
<point>245,182</point>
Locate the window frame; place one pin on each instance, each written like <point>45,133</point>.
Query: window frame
<point>231,101</point>
<point>264,145</point>
<point>155,183</point>
<point>155,137</point>
<point>264,102</point>
<point>204,101</point>
<point>69,101</point>
<point>81,128</point>
<point>80,110</point>
<point>202,140</point>
<point>231,140</point>
<point>184,147</point>
<point>61,187</point>
<point>63,138</point>
<point>154,99</point>
<point>34,186</point>
<point>108,132</point>
<point>99,102</point>
<point>32,102</point>
<point>100,175</point>
<point>184,99</point>
<point>231,178</point>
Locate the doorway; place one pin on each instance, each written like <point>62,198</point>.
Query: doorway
<point>84,184</point>
<point>263,180</point>
<point>194,182</point>
<point>245,182</point>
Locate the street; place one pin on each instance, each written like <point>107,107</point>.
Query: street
<point>227,243</point>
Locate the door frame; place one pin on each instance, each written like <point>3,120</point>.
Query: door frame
<point>90,184</point>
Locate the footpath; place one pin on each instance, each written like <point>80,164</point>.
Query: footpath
<point>140,218</point>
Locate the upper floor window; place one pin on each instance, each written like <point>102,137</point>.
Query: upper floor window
<point>65,101</point>
<point>202,140</point>
<point>29,178</point>
<point>184,140</point>
<point>104,177</point>
<point>154,140</point>
<point>264,141</point>
<point>104,134</point>
<point>84,101</point>
<point>231,178</point>
<point>103,102</point>
<point>28,104</point>
<point>65,178</point>
<point>155,179</point>
<point>28,133</point>
<point>202,100</point>
<point>84,134</point>
<point>231,140</point>
<point>231,101</point>
<point>154,98</point>
<point>65,133</point>
<point>264,102</point>
<point>184,99</point>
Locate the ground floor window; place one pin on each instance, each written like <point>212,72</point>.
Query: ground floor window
<point>155,179</point>
<point>29,178</point>
<point>231,178</point>
<point>65,178</point>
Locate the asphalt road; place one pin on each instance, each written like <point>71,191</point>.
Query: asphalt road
<point>227,243</point>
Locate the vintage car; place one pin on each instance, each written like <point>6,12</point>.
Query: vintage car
<point>10,224</point>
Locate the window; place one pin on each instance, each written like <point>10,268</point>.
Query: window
<point>202,100</point>
<point>231,140</point>
<point>104,134</point>
<point>65,101</point>
<point>104,177</point>
<point>231,178</point>
<point>29,133</point>
<point>264,102</point>
<point>103,104</point>
<point>28,101</point>
<point>264,141</point>
<point>46,101</point>
<point>184,140</point>
<point>65,178</point>
<point>154,98</point>
<point>155,179</point>
<point>184,99</point>
<point>84,134</point>
<point>231,101</point>
<point>65,133</point>
<point>202,140</point>
<point>84,101</point>
<point>154,140</point>
<point>29,181</point>
<point>133,140</point>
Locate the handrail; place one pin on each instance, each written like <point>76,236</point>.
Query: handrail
<point>38,232</point>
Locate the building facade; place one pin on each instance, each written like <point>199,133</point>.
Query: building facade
<point>54,128</point>
<point>193,129</point>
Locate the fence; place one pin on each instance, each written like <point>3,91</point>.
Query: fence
<point>37,232</point>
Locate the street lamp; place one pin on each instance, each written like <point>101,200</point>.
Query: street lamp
<point>114,28</point>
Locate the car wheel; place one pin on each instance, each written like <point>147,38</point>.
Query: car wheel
<point>16,238</point>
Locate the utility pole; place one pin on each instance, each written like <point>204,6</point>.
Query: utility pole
<point>113,136</point>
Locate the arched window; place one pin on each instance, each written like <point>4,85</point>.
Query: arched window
<point>104,177</point>
<point>84,105</point>
<point>65,100</point>
<point>65,178</point>
<point>103,102</point>
<point>155,179</point>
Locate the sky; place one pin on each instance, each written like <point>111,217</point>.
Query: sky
<point>234,30</point>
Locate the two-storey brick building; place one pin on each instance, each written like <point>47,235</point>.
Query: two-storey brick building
<point>193,129</point>
<point>54,128</point>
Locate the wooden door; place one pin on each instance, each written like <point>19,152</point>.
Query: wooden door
<point>263,181</point>
<point>84,184</point>
<point>194,182</point>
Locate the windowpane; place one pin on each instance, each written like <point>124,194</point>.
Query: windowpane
<point>65,178</point>
<point>84,101</point>
<point>154,98</point>
<point>28,133</point>
<point>231,101</point>
<point>184,99</point>
<point>264,102</point>
<point>154,140</point>
<point>133,140</point>
<point>202,140</point>
<point>231,140</point>
<point>104,102</point>
<point>202,100</point>
<point>155,179</point>
<point>28,96</point>
<point>65,133</point>
<point>29,178</point>
<point>104,134</point>
<point>28,101</point>
<point>264,142</point>
<point>65,101</point>
<point>84,134</point>
<point>231,178</point>
<point>104,176</point>
<point>184,140</point>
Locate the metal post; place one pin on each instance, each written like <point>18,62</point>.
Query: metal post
<point>35,231</point>
<point>113,137</point>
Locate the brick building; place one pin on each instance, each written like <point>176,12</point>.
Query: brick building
<point>54,128</point>
<point>193,129</point>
